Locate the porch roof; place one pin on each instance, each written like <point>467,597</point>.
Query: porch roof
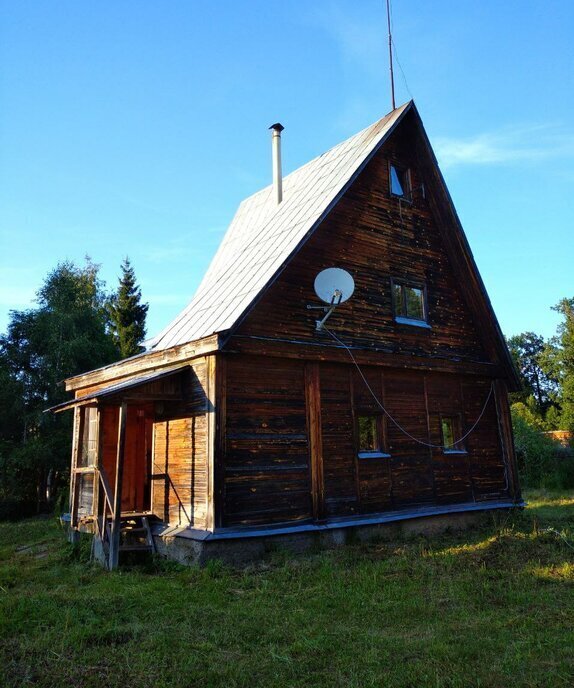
<point>115,389</point>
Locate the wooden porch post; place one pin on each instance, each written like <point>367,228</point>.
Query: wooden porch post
<point>313,402</point>
<point>220,444</point>
<point>212,365</point>
<point>116,516</point>
<point>76,442</point>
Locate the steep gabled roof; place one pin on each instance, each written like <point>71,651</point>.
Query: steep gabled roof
<point>263,235</point>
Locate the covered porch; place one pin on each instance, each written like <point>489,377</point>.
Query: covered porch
<point>114,468</point>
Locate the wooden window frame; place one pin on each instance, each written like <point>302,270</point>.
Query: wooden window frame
<point>457,430</point>
<point>381,427</point>
<point>78,471</point>
<point>404,320</point>
<point>407,196</point>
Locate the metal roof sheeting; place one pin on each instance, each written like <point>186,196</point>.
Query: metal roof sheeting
<point>264,234</point>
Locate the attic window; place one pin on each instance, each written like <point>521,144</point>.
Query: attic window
<point>400,182</point>
<point>409,303</point>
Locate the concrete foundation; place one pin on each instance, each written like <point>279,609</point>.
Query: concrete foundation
<point>188,548</point>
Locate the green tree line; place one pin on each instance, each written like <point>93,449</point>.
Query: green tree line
<point>75,326</point>
<point>546,401</point>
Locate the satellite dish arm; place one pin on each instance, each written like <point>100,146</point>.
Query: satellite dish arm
<point>335,301</point>
<point>319,323</point>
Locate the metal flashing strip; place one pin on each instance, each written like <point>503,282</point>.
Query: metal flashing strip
<point>333,524</point>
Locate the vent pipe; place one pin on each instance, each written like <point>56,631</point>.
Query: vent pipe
<point>276,130</point>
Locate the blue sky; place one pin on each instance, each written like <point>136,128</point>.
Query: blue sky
<point>136,127</point>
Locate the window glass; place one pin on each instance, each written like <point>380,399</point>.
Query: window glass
<point>450,429</point>
<point>398,299</point>
<point>85,494</point>
<point>89,445</point>
<point>414,303</point>
<point>398,185</point>
<point>447,427</point>
<point>408,301</point>
<point>368,434</point>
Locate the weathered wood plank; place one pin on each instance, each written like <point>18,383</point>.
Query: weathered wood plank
<point>140,364</point>
<point>313,401</point>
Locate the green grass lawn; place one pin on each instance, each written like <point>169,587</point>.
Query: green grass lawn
<point>491,607</point>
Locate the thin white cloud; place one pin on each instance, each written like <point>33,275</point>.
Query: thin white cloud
<point>519,144</point>
<point>359,38</point>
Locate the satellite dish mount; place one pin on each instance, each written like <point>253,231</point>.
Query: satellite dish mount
<point>333,286</point>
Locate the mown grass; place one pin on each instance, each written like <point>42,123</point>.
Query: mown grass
<point>491,607</point>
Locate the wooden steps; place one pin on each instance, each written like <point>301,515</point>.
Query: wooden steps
<point>134,536</point>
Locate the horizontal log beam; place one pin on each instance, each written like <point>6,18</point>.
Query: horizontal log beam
<point>143,363</point>
<point>326,352</point>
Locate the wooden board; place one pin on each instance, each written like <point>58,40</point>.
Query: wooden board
<point>339,453</point>
<point>267,474</point>
<point>180,455</point>
<point>267,471</point>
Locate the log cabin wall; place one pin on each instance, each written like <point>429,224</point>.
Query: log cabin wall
<point>266,463</point>
<point>268,460</point>
<point>181,454</point>
<point>376,237</point>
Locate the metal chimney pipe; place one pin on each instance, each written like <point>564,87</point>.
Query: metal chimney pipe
<point>276,130</point>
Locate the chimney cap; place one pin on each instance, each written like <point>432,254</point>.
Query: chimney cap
<point>277,127</point>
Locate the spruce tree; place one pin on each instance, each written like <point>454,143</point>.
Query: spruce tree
<point>127,313</point>
<point>560,357</point>
<point>64,335</point>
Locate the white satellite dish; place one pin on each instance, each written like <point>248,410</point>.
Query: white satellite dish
<point>334,286</point>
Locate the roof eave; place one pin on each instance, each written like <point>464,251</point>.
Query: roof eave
<point>148,361</point>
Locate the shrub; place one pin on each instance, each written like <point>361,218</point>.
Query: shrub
<point>534,451</point>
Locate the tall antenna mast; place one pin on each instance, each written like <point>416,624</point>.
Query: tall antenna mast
<point>391,55</point>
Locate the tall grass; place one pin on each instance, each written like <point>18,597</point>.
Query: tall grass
<point>491,607</point>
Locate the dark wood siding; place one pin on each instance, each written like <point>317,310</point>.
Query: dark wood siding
<point>339,456</point>
<point>267,474</point>
<point>487,467</point>
<point>375,237</point>
<point>451,470</point>
<point>266,466</point>
<point>412,476</point>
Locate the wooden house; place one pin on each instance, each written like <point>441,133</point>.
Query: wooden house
<point>243,421</point>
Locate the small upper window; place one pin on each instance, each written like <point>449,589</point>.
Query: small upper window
<point>400,182</point>
<point>409,303</point>
<point>371,437</point>
<point>450,432</point>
